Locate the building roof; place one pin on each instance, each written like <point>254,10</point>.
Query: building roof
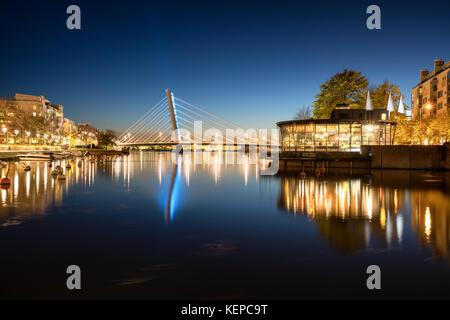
<point>345,115</point>
<point>434,74</point>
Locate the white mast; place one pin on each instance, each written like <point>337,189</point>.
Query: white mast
<point>390,106</point>
<point>368,101</point>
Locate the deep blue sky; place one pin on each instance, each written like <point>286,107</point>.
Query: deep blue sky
<point>252,62</point>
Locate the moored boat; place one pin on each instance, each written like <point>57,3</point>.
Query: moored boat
<point>35,157</point>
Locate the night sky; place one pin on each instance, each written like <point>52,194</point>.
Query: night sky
<point>252,62</point>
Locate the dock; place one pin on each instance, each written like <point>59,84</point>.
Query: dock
<point>312,160</point>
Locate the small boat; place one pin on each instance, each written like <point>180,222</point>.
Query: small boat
<point>35,157</point>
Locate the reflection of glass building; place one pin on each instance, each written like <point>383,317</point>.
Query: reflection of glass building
<point>430,220</point>
<point>351,214</point>
<point>346,130</point>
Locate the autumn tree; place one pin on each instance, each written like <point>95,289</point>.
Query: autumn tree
<point>106,138</point>
<point>380,95</point>
<point>438,130</point>
<point>348,87</point>
<point>406,131</point>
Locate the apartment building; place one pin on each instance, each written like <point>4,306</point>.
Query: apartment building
<point>431,97</point>
<point>33,106</point>
<point>70,132</point>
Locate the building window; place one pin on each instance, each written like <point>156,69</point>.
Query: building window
<point>440,94</point>
<point>383,116</point>
<point>424,100</point>
<point>34,114</point>
<point>439,106</point>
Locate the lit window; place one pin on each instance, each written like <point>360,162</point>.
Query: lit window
<point>34,114</point>
<point>383,116</point>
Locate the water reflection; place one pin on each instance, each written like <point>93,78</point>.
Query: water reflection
<point>430,220</point>
<point>32,193</point>
<point>381,211</point>
<point>357,213</point>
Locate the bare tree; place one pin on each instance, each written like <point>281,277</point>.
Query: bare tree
<point>305,112</point>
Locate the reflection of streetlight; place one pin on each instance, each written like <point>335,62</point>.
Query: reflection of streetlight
<point>427,222</point>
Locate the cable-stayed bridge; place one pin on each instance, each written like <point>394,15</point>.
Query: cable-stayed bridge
<point>173,120</point>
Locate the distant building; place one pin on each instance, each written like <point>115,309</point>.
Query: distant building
<point>431,96</point>
<point>87,134</point>
<point>38,107</point>
<point>70,132</point>
<point>346,130</point>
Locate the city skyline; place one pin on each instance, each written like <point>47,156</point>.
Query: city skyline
<point>254,65</point>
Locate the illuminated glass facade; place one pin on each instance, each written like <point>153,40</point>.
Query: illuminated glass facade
<point>346,130</point>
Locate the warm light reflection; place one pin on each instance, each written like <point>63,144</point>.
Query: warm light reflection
<point>349,212</point>
<point>427,222</point>
<point>347,200</point>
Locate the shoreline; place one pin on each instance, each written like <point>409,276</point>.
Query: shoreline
<point>12,155</point>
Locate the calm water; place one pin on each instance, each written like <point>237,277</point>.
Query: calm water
<point>141,227</point>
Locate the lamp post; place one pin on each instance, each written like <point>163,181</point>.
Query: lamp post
<point>5,132</point>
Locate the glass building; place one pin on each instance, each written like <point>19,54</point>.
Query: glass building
<point>346,130</point>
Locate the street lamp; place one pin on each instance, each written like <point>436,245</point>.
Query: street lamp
<point>5,130</point>
<point>16,132</point>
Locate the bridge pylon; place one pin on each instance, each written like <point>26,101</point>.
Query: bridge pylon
<point>171,109</point>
